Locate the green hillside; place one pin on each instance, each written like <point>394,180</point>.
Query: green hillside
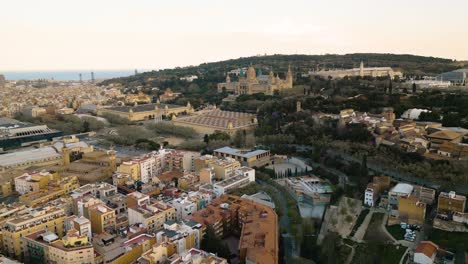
<point>409,64</point>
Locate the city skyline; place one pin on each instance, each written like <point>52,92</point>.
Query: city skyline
<point>112,35</point>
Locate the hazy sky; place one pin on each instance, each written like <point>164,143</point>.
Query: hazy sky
<point>151,34</point>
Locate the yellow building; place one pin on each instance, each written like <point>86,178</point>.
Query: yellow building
<point>50,192</point>
<point>92,167</point>
<point>46,247</point>
<point>252,83</point>
<point>152,216</point>
<point>26,222</point>
<point>130,168</point>
<point>139,98</point>
<point>209,122</point>
<point>411,210</point>
<point>34,181</point>
<point>102,218</point>
<point>122,250</point>
<point>224,168</point>
<point>159,253</point>
<point>451,202</point>
<point>146,111</point>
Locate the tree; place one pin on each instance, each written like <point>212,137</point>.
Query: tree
<point>414,88</point>
<point>211,243</point>
<point>85,126</point>
<point>364,171</point>
<point>239,139</point>
<point>206,139</point>
<point>390,87</point>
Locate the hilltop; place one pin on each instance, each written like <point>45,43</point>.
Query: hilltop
<point>409,64</point>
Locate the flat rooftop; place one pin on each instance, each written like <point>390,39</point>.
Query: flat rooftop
<point>142,108</point>
<point>241,153</point>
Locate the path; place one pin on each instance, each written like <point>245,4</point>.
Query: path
<point>284,221</point>
<point>361,231</point>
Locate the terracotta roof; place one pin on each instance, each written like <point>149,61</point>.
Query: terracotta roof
<point>427,248</point>
<point>445,134</point>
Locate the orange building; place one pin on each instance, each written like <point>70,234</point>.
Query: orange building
<point>258,226</point>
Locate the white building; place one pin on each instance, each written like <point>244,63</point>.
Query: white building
<point>81,224</point>
<point>29,182</point>
<point>399,190</point>
<point>425,253</point>
<point>243,177</point>
<point>413,113</point>
<point>184,207</point>
<point>369,196</point>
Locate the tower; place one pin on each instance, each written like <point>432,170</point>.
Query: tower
<point>112,161</point>
<point>81,78</point>
<point>92,77</point>
<point>66,154</point>
<point>136,72</point>
<point>289,77</point>
<point>361,69</point>
<point>228,79</point>
<point>251,74</point>
<point>298,106</point>
<point>271,77</point>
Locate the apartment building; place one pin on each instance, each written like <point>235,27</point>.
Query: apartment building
<point>451,202</point>
<point>46,247</point>
<point>184,234</point>
<point>151,215</point>
<point>34,181</point>
<point>375,188</point>
<point>258,225</point>
<point>27,222</point>
<point>102,218</point>
<point>80,224</point>
<point>242,177</point>
<point>411,210</point>
<point>184,207</point>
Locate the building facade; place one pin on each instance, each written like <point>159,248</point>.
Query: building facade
<point>251,84</point>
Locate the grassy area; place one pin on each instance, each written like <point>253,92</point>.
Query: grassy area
<point>359,221</point>
<point>449,240</point>
<point>396,231</point>
<point>378,253</point>
<point>374,232</point>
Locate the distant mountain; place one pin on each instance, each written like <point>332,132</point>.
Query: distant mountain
<point>409,64</point>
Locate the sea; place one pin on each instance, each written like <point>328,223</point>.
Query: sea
<point>66,75</point>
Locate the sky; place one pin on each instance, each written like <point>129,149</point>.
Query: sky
<point>155,34</point>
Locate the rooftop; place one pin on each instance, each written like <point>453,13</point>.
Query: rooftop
<point>143,108</point>
<point>28,156</point>
<point>402,188</point>
<point>241,153</point>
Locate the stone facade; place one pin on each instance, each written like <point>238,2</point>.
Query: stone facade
<point>252,83</point>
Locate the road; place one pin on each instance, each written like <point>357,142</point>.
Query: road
<point>289,242</point>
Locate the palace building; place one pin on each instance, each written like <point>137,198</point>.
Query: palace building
<point>252,83</point>
<point>361,71</point>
